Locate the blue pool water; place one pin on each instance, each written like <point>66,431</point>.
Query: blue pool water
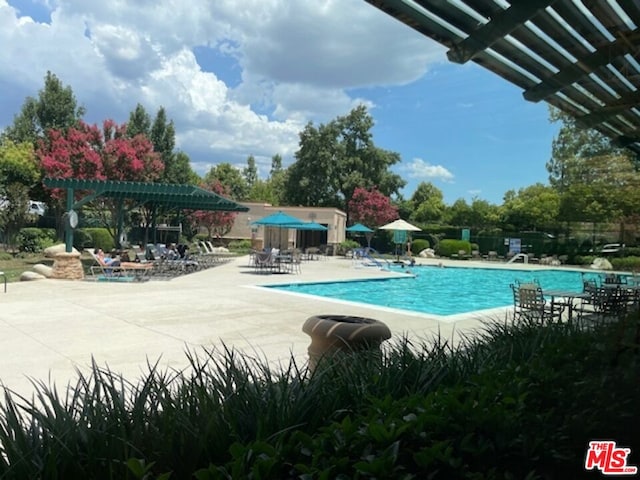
<point>440,291</point>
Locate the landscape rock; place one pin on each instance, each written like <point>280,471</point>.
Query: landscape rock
<point>29,276</point>
<point>600,263</point>
<point>427,253</point>
<point>52,251</point>
<point>44,270</point>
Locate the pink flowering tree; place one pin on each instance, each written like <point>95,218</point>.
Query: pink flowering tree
<point>217,223</point>
<point>87,152</point>
<point>371,208</point>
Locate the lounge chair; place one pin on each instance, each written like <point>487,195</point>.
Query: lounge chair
<point>118,270</point>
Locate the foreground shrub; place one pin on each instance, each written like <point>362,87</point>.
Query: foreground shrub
<point>512,402</point>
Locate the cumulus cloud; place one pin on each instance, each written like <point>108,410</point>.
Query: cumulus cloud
<point>420,169</point>
<point>298,62</point>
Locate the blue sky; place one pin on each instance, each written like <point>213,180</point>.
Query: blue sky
<point>243,78</point>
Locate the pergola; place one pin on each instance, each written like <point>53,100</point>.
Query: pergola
<point>151,195</point>
<point>581,56</point>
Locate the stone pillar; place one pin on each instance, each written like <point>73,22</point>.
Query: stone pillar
<point>332,334</point>
<point>67,266</point>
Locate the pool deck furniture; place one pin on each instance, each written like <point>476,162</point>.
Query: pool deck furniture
<point>566,298</point>
<point>530,305</point>
<point>132,270</point>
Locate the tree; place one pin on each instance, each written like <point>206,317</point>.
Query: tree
<point>230,177</point>
<point>460,213</point>
<point>18,173</point>
<point>596,181</point>
<point>177,165</point>
<point>250,172</point>
<point>87,152</point>
<point>532,208</point>
<point>276,181</point>
<point>370,207</point>
<point>55,108</point>
<point>335,159</point>
<point>428,203</point>
<point>484,214</point>
<point>217,223</point>
<point>139,122</point>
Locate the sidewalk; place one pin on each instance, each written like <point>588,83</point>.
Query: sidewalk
<point>50,328</point>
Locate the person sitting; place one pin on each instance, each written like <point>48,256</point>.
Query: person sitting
<point>105,260</point>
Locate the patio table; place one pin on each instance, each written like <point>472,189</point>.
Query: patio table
<point>566,298</point>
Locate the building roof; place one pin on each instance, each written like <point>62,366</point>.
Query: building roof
<point>581,57</point>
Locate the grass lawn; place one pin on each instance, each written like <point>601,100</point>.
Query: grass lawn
<point>14,265</point>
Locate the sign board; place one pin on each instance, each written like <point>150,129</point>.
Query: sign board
<point>466,234</point>
<point>515,245</point>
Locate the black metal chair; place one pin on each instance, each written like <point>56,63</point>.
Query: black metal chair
<point>531,306</point>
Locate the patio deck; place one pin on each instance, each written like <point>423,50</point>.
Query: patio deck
<point>50,328</point>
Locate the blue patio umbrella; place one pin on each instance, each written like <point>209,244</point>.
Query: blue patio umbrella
<point>278,219</point>
<point>359,228</point>
<point>308,226</point>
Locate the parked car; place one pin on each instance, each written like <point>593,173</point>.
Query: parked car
<point>611,248</point>
<point>37,208</point>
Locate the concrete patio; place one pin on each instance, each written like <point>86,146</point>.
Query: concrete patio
<point>50,328</point>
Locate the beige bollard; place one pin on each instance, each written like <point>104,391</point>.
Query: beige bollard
<point>331,334</point>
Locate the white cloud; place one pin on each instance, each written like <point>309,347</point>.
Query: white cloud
<point>299,62</point>
<point>420,169</point>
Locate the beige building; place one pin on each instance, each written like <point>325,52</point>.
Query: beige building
<point>335,220</point>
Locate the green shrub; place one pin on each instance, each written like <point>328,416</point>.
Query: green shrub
<point>101,238</point>
<point>346,246</point>
<point>199,237</point>
<point>583,259</point>
<point>511,402</point>
<point>626,263</point>
<point>631,252</point>
<point>449,247</point>
<point>241,246</point>
<point>82,238</point>
<point>35,239</point>
<point>418,245</point>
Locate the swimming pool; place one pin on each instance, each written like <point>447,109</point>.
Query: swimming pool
<point>440,291</point>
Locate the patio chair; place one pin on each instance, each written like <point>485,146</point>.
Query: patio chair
<point>117,270</point>
<point>530,305</point>
<point>264,262</point>
<point>608,301</point>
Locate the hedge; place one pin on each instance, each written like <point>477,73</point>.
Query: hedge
<point>35,239</point>
<point>101,238</point>
<point>446,248</point>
